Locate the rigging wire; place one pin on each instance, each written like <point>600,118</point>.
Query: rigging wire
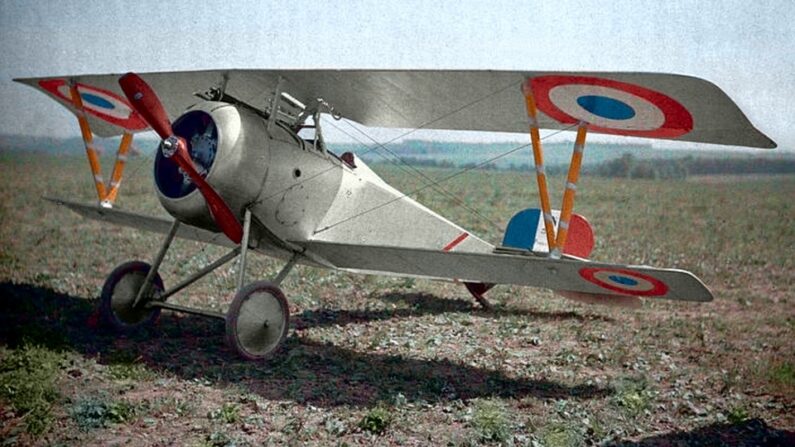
<point>413,169</point>
<point>402,135</point>
<point>444,179</point>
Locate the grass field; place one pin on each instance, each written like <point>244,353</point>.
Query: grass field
<point>382,361</point>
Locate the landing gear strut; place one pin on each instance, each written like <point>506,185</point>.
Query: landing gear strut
<point>258,318</point>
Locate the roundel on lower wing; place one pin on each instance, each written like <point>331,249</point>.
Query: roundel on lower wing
<point>610,106</point>
<point>624,281</point>
<point>98,102</point>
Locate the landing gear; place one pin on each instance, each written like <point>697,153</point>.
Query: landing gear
<point>257,321</point>
<point>117,307</point>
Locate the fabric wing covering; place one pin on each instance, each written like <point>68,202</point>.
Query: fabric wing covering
<point>654,105</point>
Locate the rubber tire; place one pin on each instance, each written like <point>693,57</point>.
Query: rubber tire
<point>115,305</point>
<point>245,315</point>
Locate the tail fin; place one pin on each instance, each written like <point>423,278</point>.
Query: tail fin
<point>526,231</point>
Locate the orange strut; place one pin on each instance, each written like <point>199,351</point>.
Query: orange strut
<point>538,157</point>
<point>118,167</point>
<point>88,140</point>
<point>571,188</point>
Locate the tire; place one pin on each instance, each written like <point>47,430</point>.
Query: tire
<point>118,294</point>
<point>258,320</point>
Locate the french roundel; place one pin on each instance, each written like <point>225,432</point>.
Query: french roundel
<point>98,102</point>
<point>609,106</point>
<point>624,281</point>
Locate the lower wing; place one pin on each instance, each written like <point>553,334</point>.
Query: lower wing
<point>573,275</point>
<point>142,222</point>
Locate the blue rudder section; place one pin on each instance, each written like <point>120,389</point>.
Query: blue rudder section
<point>522,228</point>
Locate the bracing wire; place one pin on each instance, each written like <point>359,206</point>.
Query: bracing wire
<point>411,169</point>
<point>436,182</point>
<point>402,135</point>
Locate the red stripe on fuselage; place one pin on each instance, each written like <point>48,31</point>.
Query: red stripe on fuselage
<point>456,241</point>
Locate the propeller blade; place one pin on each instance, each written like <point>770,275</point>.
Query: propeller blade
<point>220,211</point>
<point>145,101</point>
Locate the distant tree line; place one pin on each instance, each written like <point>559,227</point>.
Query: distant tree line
<point>628,166</point>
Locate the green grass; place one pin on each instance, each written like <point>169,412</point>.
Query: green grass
<point>491,421</point>
<point>560,435</point>
<point>228,413</point>
<point>737,415</point>
<point>376,421</point>
<point>99,411</point>
<point>28,383</point>
<point>782,374</point>
<point>633,396</point>
<point>127,366</point>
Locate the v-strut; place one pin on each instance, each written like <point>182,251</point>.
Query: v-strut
<point>106,194</point>
<point>556,244</point>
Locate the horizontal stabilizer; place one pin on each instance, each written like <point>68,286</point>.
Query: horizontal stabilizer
<point>142,222</point>
<point>525,270</point>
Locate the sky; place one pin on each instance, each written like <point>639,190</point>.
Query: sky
<point>746,48</point>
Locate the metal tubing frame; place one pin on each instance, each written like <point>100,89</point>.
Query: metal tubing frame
<point>156,264</point>
<point>286,269</point>
<point>241,250</point>
<point>186,309</point>
<point>538,158</point>
<point>571,189</point>
<point>200,274</point>
<point>241,277</point>
<point>277,97</point>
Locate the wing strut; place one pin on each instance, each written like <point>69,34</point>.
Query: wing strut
<point>538,158</point>
<point>555,243</point>
<point>106,194</point>
<point>571,187</point>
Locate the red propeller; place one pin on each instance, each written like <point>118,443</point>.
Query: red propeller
<point>144,100</point>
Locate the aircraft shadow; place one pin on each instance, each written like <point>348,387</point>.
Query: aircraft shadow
<point>752,432</point>
<point>305,371</point>
<point>426,304</point>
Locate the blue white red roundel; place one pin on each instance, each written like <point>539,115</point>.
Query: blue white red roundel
<point>100,103</point>
<point>609,106</point>
<point>624,281</point>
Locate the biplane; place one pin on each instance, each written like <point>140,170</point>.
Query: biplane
<point>245,165</point>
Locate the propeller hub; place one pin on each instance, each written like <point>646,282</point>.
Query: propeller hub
<point>170,146</point>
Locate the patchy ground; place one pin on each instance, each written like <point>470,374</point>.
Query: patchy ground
<point>389,361</point>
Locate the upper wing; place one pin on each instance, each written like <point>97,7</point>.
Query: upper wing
<point>561,274</point>
<point>459,100</point>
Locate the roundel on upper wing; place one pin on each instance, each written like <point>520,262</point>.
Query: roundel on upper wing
<point>100,103</point>
<point>610,106</point>
<point>624,281</point>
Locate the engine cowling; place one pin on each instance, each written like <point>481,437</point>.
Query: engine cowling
<point>230,149</point>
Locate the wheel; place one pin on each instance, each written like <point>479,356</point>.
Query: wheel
<point>119,292</point>
<point>477,290</point>
<point>258,320</point>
